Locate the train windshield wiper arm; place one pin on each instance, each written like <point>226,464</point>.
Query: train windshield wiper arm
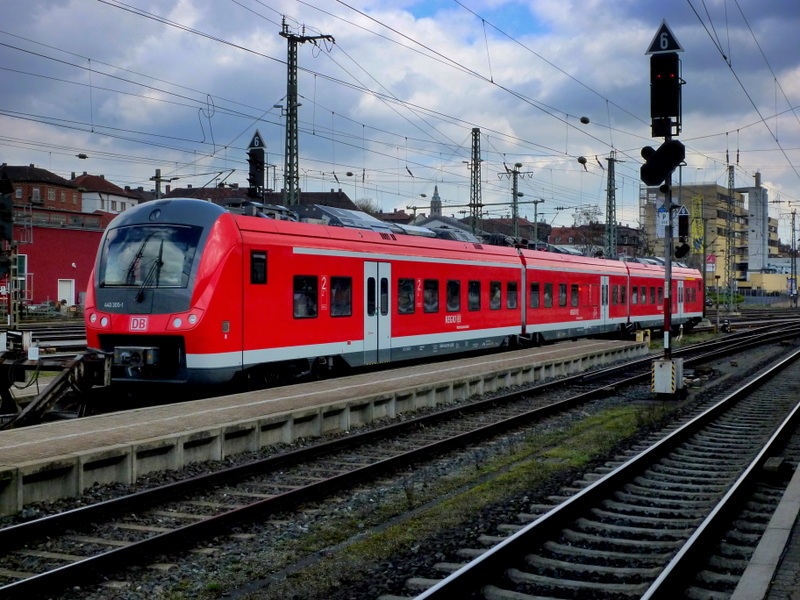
<point>130,276</point>
<point>153,274</point>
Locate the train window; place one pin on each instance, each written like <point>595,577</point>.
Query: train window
<point>341,296</point>
<point>370,296</point>
<point>453,295</point>
<point>535,295</point>
<point>474,295</point>
<point>258,267</point>
<point>643,295</point>
<point>652,294</point>
<point>511,295</point>
<point>562,294</point>
<point>614,295</point>
<point>623,294</point>
<point>604,292</point>
<point>574,293</point>
<point>384,296</point>
<point>431,296</point>
<point>548,295</point>
<point>634,294</point>
<point>305,296</point>
<point>495,295</point>
<point>155,256</point>
<point>405,296</point>
<point>660,294</point>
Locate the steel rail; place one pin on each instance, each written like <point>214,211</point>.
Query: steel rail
<point>495,561</point>
<point>14,536</point>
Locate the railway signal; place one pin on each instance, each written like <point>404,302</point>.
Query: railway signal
<point>659,164</point>
<point>256,160</point>
<point>6,210</point>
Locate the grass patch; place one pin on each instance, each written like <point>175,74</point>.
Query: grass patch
<point>526,463</point>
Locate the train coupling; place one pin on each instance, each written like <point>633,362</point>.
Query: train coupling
<point>135,356</point>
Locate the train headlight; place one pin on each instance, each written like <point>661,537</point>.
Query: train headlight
<point>93,318</point>
<point>185,321</point>
<point>103,322</point>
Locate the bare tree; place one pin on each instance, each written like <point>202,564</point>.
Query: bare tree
<point>368,205</point>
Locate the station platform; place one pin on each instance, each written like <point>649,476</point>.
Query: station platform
<point>61,459</point>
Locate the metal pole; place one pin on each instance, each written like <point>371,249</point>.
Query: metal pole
<point>536,204</point>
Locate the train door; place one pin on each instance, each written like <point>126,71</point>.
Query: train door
<point>679,305</point>
<point>604,299</point>
<point>377,312</point>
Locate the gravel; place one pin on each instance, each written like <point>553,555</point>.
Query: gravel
<point>264,560</point>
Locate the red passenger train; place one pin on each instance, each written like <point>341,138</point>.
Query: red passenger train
<point>185,291</point>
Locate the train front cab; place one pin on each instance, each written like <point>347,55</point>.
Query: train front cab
<point>165,295</point>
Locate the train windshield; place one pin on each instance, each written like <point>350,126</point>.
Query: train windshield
<point>149,256</point>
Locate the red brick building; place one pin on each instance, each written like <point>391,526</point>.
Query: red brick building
<point>56,241</point>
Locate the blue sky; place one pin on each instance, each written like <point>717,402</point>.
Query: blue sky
<point>182,85</point>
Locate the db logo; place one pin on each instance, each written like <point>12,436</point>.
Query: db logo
<point>138,323</point>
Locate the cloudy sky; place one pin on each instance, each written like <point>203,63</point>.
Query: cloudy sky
<point>182,85</point>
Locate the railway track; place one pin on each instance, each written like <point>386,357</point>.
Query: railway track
<point>646,528</point>
<point>122,531</point>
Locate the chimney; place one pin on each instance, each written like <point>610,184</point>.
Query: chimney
<point>102,176</point>
<point>127,188</point>
<point>189,186</point>
<point>167,188</point>
<point>73,175</point>
<point>85,173</point>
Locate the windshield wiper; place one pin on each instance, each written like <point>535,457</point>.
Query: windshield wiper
<point>130,276</point>
<point>153,274</point>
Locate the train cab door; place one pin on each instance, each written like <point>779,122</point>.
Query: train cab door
<point>679,312</point>
<point>377,312</point>
<point>604,316</point>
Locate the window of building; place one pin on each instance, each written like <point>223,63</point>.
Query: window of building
<point>36,195</point>
<point>511,295</point>
<point>18,192</point>
<point>562,294</point>
<point>574,294</point>
<point>430,296</point>
<point>63,196</point>
<point>453,295</point>
<point>74,197</point>
<point>305,296</point>
<point>405,296</point>
<point>571,240</point>
<point>258,267</point>
<point>535,295</point>
<point>495,295</point>
<point>92,221</point>
<point>56,219</point>
<point>51,194</point>
<point>114,205</point>
<point>341,296</point>
<point>76,220</point>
